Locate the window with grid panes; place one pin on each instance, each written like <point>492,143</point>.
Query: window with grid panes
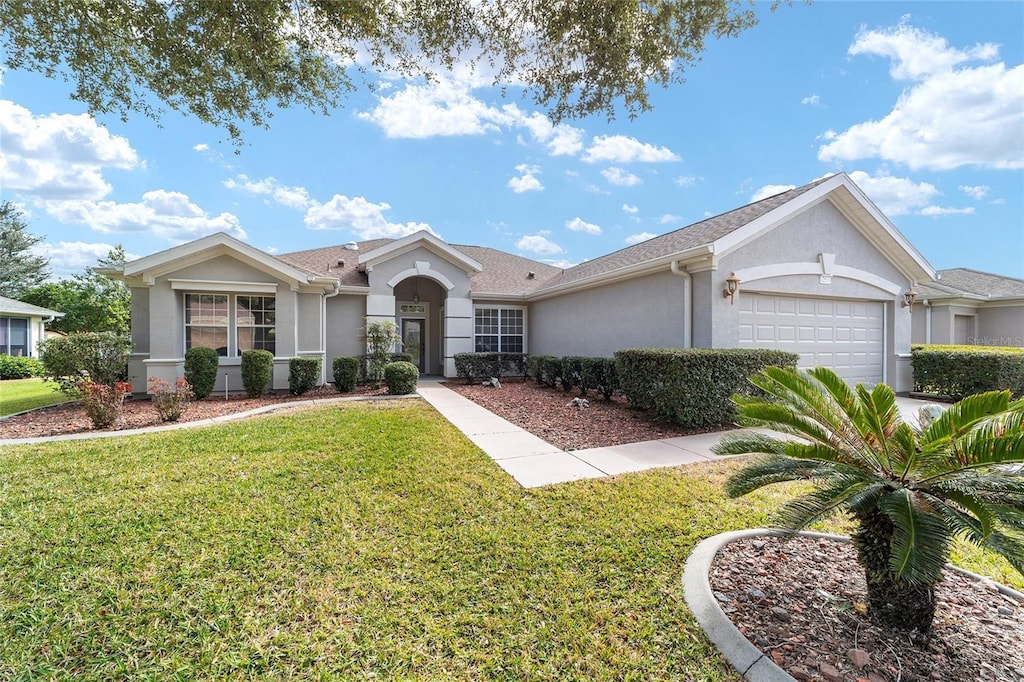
<point>255,322</point>
<point>499,330</point>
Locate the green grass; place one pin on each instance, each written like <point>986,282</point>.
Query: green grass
<point>345,543</point>
<point>18,395</point>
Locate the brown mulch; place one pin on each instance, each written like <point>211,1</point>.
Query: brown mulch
<point>545,412</point>
<point>802,602</point>
<point>798,602</point>
<point>138,413</point>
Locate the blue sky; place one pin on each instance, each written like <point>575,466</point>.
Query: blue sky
<point>921,103</point>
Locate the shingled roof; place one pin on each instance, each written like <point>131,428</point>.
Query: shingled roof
<point>968,283</point>
<point>698,234</point>
<point>12,306</point>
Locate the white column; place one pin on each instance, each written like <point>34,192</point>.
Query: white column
<point>458,331</point>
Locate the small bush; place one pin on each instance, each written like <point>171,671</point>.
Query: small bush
<point>102,402</point>
<point>960,371</point>
<point>170,400</point>
<point>346,372</point>
<point>692,386</point>
<point>381,339</point>
<point>572,374</point>
<point>599,374</point>
<point>201,365</point>
<point>99,357</point>
<point>303,374</point>
<point>473,366</point>
<point>552,370</point>
<point>19,367</point>
<point>400,377</point>
<point>257,371</point>
<point>535,367</point>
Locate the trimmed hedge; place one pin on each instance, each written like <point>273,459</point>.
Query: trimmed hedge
<point>599,374</point>
<point>960,371</point>
<point>303,374</point>
<point>346,373</point>
<point>19,367</point>
<point>471,366</point>
<point>551,367</point>
<point>201,370</point>
<point>692,386</point>
<point>400,377</point>
<point>364,364</point>
<point>257,371</point>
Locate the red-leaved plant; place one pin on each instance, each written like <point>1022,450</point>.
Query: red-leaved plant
<point>102,402</point>
<point>170,400</point>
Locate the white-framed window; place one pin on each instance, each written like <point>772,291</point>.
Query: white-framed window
<point>499,330</point>
<point>230,323</point>
<point>14,336</point>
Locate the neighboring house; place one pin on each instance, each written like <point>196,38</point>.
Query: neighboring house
<point>820,271</point>
<point>969,307</point>
<point>21,326</point>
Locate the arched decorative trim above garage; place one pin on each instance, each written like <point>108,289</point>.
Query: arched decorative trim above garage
<point>825,269</point>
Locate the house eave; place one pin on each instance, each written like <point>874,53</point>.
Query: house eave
<point>413,241</point>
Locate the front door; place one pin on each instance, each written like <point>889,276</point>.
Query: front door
<point>413,341</point>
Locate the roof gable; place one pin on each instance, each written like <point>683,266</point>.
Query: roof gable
<point>424,239</point>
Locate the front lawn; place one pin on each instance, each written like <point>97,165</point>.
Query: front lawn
<point>18,395</point>
<point>347,542</point>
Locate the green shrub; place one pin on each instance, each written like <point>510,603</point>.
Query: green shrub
<point>960,371</point>
<point>400,377</point>
<point>472,366</point>
<point>257,371</point>
<point>103,402</point>
<point>572,374</point>
<point>381,338</point>
<point>692,386</point>
<point>100,357</point>
<point>551,367</point>
<point>535,367</point>
<point>19,367</point>
<point>599,374</point>
<point>303,374</point>
<point>346,372</point>
<point>201,365</point>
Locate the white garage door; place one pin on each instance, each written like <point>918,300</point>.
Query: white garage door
<point>847,336</point>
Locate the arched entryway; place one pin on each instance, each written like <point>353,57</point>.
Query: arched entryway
<point>419,315</point>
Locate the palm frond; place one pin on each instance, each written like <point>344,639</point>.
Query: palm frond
<point>802,511</point>
<point>920,541</point>
<point>766,470</point>
<point>966,502</point>
<point>962,416</point>
<point>748,443</point>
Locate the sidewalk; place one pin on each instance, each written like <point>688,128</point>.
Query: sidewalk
<point>533,462</point>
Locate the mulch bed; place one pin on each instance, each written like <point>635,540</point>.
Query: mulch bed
<point>139,413</point>
<point>802,602</point>
<point>547,413</point>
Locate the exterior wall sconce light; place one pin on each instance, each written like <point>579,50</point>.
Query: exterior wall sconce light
<point>908,299</point>
<point>732,286</point>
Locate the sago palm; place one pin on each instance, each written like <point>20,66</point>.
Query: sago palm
<point>909,490</point>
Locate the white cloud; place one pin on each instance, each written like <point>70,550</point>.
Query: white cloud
<point>72,258</point>
<point>201,147</point>
<point>640,237</point>
<point>527,180</point>
<point>812,100</point>
<point>978,192</point>
<point>770,191</point>
<point>292,197</point>
<point>58,156</point>
<point>538,244</point>
<point>562,263</point>
<point>623,149</point>
<point>669,218</point>
<point>687,180</point>
<point>953,115</point>
<point>617,176</point>
<point>632,210</point>
<point>945,210</point>
<point>363,217</point>
<point>170,215</point>
<point>577,224</point>
<point>447,107</point>
<point>895,196</point>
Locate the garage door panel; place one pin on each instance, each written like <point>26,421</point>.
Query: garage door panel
<point>847,336</point>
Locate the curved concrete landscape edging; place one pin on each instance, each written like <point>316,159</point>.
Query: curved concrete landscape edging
<point>748,660</point>
<point>199,423</point>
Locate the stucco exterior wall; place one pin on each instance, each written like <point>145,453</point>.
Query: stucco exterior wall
<point>643,312</point>
<point>1001,326</point>
<point>345,315</point>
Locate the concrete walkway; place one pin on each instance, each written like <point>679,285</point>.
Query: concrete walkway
<point>532,462</point>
